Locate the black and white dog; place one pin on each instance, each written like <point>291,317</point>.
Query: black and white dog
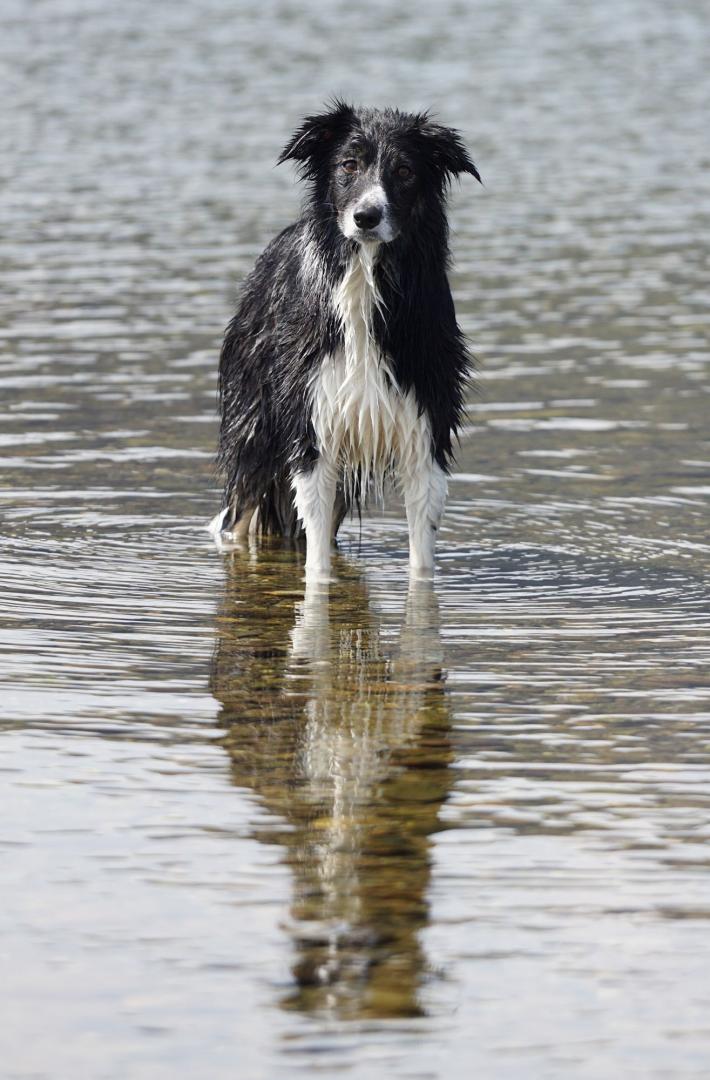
<point>344,364</point>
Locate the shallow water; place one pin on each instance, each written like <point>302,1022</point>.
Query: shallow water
<point>254,830</point>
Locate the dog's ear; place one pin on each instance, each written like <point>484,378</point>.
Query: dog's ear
<point>315,136</point>
<point>444,148</point>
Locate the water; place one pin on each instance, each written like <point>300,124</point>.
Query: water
<point>259,831</point>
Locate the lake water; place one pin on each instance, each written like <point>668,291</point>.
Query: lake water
<point>254,831</point>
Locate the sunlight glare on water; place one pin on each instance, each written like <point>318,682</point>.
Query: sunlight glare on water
<point>255,829</point>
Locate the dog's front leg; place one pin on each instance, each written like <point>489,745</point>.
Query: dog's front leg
<point>424,491</point>
<point>315,503</point>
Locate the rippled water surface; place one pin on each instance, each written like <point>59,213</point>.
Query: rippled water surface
<point>254,830</point>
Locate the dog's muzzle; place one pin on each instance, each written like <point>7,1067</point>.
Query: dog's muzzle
<point>369,220</point>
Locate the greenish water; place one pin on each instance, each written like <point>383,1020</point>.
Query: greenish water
<point>254,830</point>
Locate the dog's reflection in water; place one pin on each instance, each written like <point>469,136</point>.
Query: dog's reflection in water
<point>336,718</point>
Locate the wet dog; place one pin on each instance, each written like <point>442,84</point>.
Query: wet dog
<point>344,364</point>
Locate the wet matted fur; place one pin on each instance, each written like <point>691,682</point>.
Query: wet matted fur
<point>344,364</point>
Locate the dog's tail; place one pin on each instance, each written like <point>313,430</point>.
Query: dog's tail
<point>273,514</point>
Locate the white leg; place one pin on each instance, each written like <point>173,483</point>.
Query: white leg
<point>315,502</point>
<point>424,497</point>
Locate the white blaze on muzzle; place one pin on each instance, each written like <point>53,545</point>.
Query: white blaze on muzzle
<point>373,204</point>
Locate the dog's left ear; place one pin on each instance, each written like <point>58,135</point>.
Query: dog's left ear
<point>316,135</point>
<point>445,149</point>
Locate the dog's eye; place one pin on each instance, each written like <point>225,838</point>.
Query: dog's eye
<point>349,166</point>
<point>404,171</point>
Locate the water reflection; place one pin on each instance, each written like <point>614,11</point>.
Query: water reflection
<point>339,723</point>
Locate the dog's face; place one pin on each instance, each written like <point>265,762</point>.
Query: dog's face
<point>374,183</point>
<point>377,171</point>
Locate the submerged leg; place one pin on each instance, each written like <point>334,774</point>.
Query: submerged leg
<point>315,502</point>
<point>424,492</point>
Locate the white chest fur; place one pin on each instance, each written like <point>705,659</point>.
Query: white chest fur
<point>361,417</point>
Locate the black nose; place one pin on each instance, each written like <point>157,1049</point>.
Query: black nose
<point>368,217</point>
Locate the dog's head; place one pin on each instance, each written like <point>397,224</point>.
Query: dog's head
<point>380,173</point>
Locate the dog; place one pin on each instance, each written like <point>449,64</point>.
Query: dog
<point>344,365</point>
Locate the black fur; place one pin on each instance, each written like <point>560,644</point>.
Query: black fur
<point>283,327</point>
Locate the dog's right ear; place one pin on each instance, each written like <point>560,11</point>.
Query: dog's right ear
<point>313,139</point>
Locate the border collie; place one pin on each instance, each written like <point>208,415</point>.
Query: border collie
<point>344,364</point>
